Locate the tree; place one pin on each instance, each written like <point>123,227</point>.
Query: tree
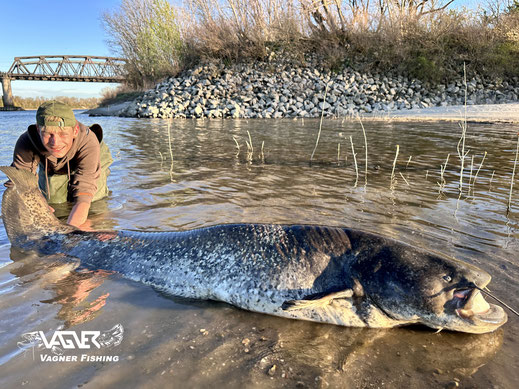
<point>146,33</point>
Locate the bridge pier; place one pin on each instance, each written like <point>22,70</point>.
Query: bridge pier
<point>7,96</point>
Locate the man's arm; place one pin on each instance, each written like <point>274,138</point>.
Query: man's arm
<point>83,183</point>
<point>79,214</point>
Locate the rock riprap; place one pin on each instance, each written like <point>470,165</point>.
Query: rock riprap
<point>266,90</point>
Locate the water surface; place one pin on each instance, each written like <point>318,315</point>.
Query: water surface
<point>181,343</point>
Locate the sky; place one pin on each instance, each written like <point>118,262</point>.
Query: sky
<point>53,27</point>
<point>60,27</point>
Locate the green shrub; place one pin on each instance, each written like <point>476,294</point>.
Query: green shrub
<point>424,68</point>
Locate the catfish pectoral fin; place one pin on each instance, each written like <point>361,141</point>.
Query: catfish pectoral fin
<point>291,305</point>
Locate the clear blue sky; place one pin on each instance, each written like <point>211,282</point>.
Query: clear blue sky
<point>53,27</point>
<point>58,27</point>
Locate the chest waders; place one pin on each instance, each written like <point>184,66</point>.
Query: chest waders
<point>59,183</point>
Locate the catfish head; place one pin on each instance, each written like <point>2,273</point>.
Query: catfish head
<point>410,285</point>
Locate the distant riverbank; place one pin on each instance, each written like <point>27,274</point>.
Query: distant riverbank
<point>32,103</point>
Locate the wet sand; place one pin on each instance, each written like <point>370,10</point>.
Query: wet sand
<point>491,113</point>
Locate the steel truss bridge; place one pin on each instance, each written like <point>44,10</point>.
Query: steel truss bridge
<point>82,68</point>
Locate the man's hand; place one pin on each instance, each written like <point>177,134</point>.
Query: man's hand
<point>79,214</point>
<point>86,226</point>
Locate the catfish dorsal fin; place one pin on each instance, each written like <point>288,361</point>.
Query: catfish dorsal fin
<point>313,302</point>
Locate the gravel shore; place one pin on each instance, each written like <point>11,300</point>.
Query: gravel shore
<point>268,90</point>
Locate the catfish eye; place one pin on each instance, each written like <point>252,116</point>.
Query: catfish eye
<point>447,278</point>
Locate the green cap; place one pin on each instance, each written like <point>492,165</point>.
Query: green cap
<point>58,110</point>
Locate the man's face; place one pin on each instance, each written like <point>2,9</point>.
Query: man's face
<point>56,140</point>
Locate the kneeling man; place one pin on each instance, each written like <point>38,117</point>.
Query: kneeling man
<point>71,159</point>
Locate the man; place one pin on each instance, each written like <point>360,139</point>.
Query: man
<point>73,161</point>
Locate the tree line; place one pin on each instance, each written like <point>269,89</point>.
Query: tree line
<point>74,102</point>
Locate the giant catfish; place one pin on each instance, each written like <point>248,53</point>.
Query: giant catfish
<point>325,274</point>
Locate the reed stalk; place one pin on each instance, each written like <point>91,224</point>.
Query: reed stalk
<point>366,150</point>
<point>355,161</point>
<point>408,161</point>
<point>442,172</point>
<point>471,169</point>
<point>461,153</point>
<point>250,148</point>
<point>513,176</point>
<point>394,165</point>
<point>170,152</point>
<point>249,143</point>
<point>477,172</point>
<point>237,144</point>
<point>320,123</point>
<point>401,175</point>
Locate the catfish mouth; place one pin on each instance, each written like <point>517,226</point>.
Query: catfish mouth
<point>471,305</point>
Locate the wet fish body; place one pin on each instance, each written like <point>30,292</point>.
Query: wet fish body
<point>325,274</point>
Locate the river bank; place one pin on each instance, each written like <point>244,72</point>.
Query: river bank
<point>483,113</point>
<point>282,90</point>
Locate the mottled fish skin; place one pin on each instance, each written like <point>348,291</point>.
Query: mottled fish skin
<point>326,274</point>
<point>254,267</point>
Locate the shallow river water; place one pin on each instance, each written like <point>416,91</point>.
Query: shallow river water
<point>172,342</point>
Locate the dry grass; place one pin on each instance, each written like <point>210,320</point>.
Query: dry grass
<point>429,43</point>
<point>239,29</point>
<point>425,39</point>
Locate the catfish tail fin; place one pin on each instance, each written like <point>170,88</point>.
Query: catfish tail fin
<point>25,212</point>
